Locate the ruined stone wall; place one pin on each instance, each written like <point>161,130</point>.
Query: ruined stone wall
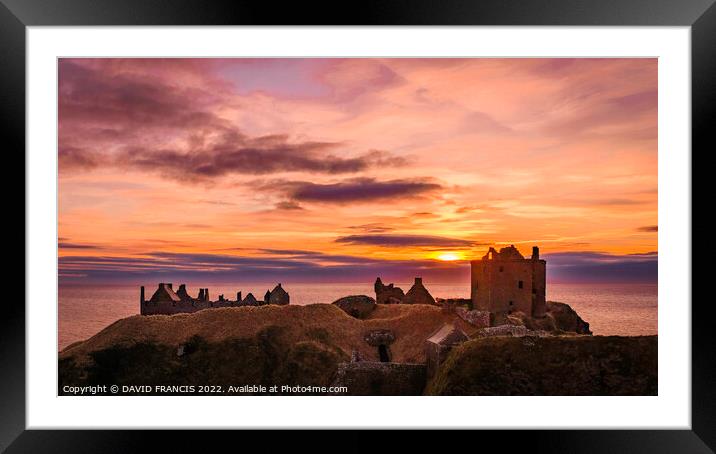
<point>450,305</point>
<point>165,301</point>
<point>509,330</point>
<point>170,308</point>
<point>388,294</point>
<point>480,281</point>
<point>184,307</point>
<point>495,286</point>
<point>367,378</point>
<point>481,319</point>
<point>539,288</point>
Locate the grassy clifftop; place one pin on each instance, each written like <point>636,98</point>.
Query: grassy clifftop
<point>299,345</point>
<point>565,365</point>
<point>324,322</point>
<point>304,345</point>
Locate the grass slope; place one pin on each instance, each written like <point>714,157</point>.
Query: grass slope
<point>268,344</point>
<point>564,365</point>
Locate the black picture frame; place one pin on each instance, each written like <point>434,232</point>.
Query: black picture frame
<point>700,15</point>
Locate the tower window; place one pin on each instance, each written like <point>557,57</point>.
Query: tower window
<point>520,284</point>
<point>502,268</point>
<point>510,303</point>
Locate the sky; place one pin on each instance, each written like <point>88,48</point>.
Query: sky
<point>341,170</point>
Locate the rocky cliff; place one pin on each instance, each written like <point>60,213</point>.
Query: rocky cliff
<point>560,318</point>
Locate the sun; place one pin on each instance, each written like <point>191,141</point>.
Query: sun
<point>448,256</point>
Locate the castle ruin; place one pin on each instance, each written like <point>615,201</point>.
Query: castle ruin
<point>502,283</point>
<point>166,301</point>
<point>505,282</point>
<point>389,294</point>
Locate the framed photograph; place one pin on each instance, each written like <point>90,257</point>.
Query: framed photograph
<point>412,216</point>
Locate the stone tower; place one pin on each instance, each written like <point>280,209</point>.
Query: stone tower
<point>505,282</point>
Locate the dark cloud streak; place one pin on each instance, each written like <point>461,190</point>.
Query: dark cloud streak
<point>67,245</point>
<point>353,190</point>
<point>405,240</point>
<point>649,228</point>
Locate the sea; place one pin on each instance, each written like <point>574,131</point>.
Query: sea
<point>610,309</point>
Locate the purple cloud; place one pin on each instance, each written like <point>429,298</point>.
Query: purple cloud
<point>118,111</point>
<point>354,190</point>
<point>405,240</point>
<point>67,245</point>
<point>237,154</point>
<point>288,205</point>
<point>649,228</point>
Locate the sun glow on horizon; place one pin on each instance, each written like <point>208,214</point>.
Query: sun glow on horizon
<point>449,257</point>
